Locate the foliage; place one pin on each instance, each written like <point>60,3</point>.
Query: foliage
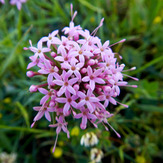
<point>140,22</point>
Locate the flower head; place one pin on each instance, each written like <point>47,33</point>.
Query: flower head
<point>89,139</point>
<point>82,74</point>
<point>96,155</point>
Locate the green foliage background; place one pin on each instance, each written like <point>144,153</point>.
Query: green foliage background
<point>141,125</point>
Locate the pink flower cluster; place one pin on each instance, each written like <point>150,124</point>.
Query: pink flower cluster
<point>18,3</point>
<point>82,77</point>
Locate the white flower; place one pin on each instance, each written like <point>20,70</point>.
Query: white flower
<point>89,139</point>
<point>96,155</point>
<point>7,158</point>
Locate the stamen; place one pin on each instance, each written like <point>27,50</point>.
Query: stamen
<point>75,13</point>
<point>126,106</point>
<point>96,29</point>
<point>114,130</point>
<point>131,69</point>
<point>72,15</point>
<point>55,143</point>
<point>32,124</point>
<point>131,77</point>
<point>121,41</point>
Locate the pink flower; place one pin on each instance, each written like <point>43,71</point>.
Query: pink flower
<point>73,68</point>
<point>69,101</point>
<point>48,94</point>
<point>93,77</point>
<point>81,77</point>
<point>108,97</point>
<point>50,38</point>
<point>65,83</point>
<point>85,115</point>
<point>42,110</point>
<point>61,125</point>
<point>18,3</point>
<point>88,99</point>
<point>50,70</point>
<point>39,51</point>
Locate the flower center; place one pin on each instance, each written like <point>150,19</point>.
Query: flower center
<point>39,51</point>
<point>50,93</point>
<point>66,58</point>
<point>64,44</point>
<point>91,77</point>
<point>52,70</point>
<point>107,64</point>
<point>102,49</point>
<point>66,83</point>
<point>50,38</point>
<point>87,98</point>
<point>73,68</point>
<point>80,52</point>
<point>107,97</point>
<point>69,100</point>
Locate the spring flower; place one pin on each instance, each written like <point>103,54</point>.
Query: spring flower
<point>96,155</point>
<point>18,3</point>
<point>82,78</point>
<point>89,139</point>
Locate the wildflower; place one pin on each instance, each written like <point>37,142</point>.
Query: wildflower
<point>7,100</point>
<point>7,158</point>
<point>58,152</point>
<point>89,139</point>
<point>18,3</point>
<point>96,155</point>
<point>157,20</point>
<point>75,131</point>
<point>82,77</point>
<point>140,159</point>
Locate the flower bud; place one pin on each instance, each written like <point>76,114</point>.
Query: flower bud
<point>30,74</point>
<point>91,62</point>
<point>53,54</point>
<point>33,88</point>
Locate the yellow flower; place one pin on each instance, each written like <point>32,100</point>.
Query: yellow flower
<point>7,100</point>
<point>92,19</point>
<point>57,153</point>
<point>157,20</point>
<point>75,131</point>
<point>140,159</point>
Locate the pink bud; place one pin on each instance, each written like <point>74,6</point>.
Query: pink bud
<point>53,54</point>
<point>83,70</point>
<point>91,62</point>
<point>76,37</point>
<point>25,48</point>
<point>107,88</point>
<point>33,88</point>
<point>52,104</point>
<point>76,87</point>
<point>30,74</point>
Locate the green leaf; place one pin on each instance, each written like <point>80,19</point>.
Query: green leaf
<point>151,108</point>
<point>24,113</point>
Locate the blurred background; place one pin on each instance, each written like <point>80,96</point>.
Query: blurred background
<point>140,125</point>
